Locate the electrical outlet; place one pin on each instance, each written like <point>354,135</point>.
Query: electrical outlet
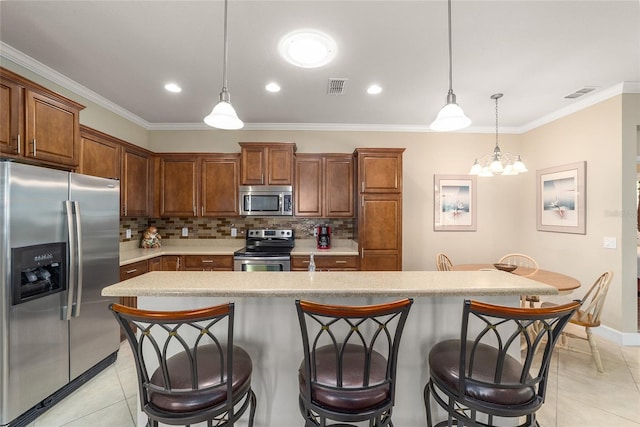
<point>127,233</point>
<point>234,232</point>
<point>185,231</point>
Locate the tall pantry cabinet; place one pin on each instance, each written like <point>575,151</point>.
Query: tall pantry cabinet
<point>379,208</point>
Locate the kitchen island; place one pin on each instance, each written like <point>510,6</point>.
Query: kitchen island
<point>266,324</point>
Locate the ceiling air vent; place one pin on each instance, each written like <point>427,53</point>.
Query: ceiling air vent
<point>579,93</point>
<point>336,86</point>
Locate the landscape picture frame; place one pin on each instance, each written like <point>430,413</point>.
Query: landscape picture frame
<point>561,197</point>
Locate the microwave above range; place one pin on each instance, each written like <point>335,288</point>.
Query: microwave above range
<point>266,200</point>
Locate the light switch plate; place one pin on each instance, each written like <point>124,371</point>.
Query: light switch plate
<point>610,242</point>
<point>127,233</point>
<point>185,231</point>
<point>234,232</point>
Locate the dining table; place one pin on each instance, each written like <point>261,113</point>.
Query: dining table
<point>564,283</point>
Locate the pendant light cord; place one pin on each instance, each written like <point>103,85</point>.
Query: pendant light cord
<point>450,54</point>
<point>497,120</point>
<point>224,65</point>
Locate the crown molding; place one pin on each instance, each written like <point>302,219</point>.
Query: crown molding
<point>19,58</point>
<point>581,104</point>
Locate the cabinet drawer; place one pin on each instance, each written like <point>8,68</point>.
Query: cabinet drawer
<point>133,270</point>
<point>326,262</point>
<point>208,262</point>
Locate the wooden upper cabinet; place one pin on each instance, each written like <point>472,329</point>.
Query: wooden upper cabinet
<point>38,124</point>
<point>324,185</point>
<point>178,184</point>
<point>309,185</point>
<point>10,123</point>
<point>100,154</point>
<point>267,163</point>
<point>380,170</point>
<point>219,181</point>
<point>338,188</point>
<point>135,185</point>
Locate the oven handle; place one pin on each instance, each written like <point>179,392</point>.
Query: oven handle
<point>270,259</point>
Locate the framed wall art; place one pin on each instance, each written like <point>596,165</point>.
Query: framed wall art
<point>454,203</point>
<point>561,198</point>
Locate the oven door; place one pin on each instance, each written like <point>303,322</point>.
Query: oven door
<point>261,263</point>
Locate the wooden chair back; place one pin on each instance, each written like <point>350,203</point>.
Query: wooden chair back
<point>521,260</point>
<point>443,263</point>
<point>593,302</point>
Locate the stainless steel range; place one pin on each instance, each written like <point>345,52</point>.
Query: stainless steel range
<point>266,250</point>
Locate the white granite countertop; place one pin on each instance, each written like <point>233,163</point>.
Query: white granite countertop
<point>323,284</point>
<point>130,252</point>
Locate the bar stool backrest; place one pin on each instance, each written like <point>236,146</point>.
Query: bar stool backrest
<point>443,262</point>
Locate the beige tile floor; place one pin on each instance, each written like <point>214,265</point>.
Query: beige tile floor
<point>577,394</point>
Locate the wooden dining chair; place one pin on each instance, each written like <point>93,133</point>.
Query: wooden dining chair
<point>443,262</point>
<point>588,316</point>
<point>523,261</point>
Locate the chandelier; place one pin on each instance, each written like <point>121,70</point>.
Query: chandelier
<point>498,162</point>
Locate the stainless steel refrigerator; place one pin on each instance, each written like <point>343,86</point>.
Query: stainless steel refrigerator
<point>59,247</point>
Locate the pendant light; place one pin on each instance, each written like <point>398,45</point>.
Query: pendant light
<point>223,116</point>
<point>451,117</point>
<point>498,162</point>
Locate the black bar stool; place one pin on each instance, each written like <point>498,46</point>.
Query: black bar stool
<point>475,378</point>
<point>350,358</point>
<point>198,374</point>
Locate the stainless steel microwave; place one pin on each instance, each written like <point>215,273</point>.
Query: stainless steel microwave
<point>266,200</point>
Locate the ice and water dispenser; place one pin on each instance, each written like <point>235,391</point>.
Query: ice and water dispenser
<point>38,271</point>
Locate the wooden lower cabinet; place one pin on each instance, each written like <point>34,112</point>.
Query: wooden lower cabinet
<point>172,263</point>
<point>325,262</point>
<point>208,262</point>
<point>155,264</point>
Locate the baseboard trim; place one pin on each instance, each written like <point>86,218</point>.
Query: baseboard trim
<point>631,339</point>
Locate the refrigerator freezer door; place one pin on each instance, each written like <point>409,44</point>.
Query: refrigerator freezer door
<point>94,333</point>
<point>34,350</point>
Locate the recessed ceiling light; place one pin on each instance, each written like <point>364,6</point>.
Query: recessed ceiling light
<point>374,90</point>
<point>272,87</point>
<point>307,48</point>
<point>172,87</point>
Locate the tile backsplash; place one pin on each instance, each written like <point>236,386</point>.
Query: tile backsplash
<point>220,228</point>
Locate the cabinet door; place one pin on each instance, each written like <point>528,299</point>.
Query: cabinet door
<point>380,171</point>
<point>253,165</point>
<point>99,156</point>
<point>338,187</point>
<point>308,187</point>
<point>10,118</point>
<point>52,130</point>
<point>280,165</point>
<point>380,232</point>
<point>220,177</point>
<point>172,263</point>
<point>135,187</point>
<point>155,264</point>
<point>178,186</point>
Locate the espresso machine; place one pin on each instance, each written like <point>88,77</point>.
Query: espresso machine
<point>323,238</point>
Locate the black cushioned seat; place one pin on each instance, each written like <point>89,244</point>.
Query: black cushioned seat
<point>444,360</point>
<point>210,390</point>
<point>351,396</point>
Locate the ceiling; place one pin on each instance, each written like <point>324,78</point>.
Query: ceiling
<point>535,52</point>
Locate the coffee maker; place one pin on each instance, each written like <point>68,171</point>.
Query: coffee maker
<point>323,237</point>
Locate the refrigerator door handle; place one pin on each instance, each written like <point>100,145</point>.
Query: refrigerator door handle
<point>66,310</point>
<point>79,261</point>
